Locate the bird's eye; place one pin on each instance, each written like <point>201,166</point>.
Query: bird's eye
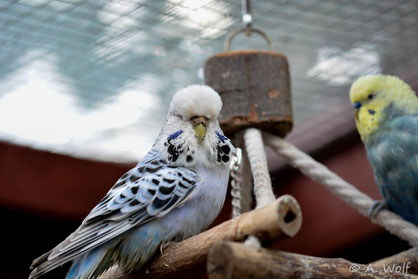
<point>371,96</point>
<point>179,116</point>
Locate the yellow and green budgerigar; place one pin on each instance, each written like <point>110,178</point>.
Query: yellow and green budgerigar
<point>386,113</point>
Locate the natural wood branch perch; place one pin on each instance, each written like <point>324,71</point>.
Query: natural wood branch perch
<point>229,260</point>
<point>189,256</point>
<point>401,259</point>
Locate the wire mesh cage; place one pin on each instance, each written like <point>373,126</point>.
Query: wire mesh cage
<point>81,60</point>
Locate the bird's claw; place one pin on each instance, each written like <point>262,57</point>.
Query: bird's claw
<point>164,245</point>
<point>376,207</point>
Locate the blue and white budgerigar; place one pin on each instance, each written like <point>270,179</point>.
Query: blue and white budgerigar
<point>176,191</point>
<point>386,112</point>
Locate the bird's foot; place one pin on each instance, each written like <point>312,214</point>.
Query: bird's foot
<point>376,207</point>
<point>164,245</point>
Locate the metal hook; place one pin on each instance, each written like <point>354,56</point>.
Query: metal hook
<point>232,35</point>
<point>247,18</point>
<point>247,22</point>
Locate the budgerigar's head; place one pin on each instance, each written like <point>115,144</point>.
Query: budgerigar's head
<point>374,97</point>
<point>191,135</point>
<point>197,105</point>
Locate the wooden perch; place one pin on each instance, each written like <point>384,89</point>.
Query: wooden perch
<point>229,260</point>
<point>189,256</point>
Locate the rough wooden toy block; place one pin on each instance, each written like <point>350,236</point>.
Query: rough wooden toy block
<point>255,90</point>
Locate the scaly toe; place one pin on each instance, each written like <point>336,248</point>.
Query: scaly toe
<point>164,245</point>
<point>376,207</point>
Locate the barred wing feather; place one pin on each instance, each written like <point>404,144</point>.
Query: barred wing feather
<point>148,191</point>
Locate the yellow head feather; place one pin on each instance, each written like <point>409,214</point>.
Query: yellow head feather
<point>371,95</point>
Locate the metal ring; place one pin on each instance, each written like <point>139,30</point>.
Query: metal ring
<point>234,33</point>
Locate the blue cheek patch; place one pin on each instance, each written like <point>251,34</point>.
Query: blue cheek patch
<point>174,135</point>
<point>220,136</point>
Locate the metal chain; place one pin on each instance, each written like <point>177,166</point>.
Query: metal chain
<point>236,187</point>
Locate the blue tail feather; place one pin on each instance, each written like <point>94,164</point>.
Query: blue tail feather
<point>88,265</point>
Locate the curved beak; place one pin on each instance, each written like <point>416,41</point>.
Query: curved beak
<point>199,127</point>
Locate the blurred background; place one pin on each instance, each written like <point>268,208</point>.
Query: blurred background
<point>85,87</point>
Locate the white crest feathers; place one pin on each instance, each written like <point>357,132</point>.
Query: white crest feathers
<point>196,100</point>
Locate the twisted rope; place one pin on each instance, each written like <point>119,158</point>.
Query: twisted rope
<point>263,191</point>
<point>347,192</point>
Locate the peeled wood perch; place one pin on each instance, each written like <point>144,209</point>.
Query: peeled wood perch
<point>228,260</point>
<point>189,256</point>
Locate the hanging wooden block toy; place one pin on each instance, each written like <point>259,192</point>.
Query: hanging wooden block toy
<point>254,86</point>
